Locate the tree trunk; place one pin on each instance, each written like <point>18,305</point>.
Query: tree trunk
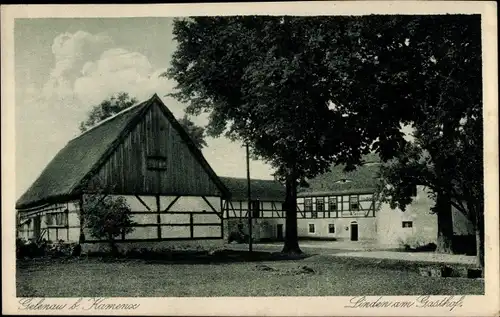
<point>291,235</point>
<point>113,247</point>
<point>445,224</point>
<point>479,231</point>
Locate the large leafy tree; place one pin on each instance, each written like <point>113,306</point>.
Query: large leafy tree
<point>305,92</point>
<point>269,82</point>
<point>447,155</point>
<point>452,168</point>
<point>123,100</point>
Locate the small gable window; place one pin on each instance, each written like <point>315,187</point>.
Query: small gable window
<point>156,162</point>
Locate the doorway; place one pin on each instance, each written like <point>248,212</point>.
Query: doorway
<point>354,231</point>
<point>279,232</point>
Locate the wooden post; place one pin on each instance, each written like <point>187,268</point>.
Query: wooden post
<point>81,239</point>
<point>158,216</point>
<point>222,219</point>
<point>191,225</point>
<point>249,202</point>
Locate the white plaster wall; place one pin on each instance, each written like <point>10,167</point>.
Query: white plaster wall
<point>366,228</point>
<point>424,230</point>
<point>183,204</point>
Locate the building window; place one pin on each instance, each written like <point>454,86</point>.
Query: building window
<point>156,163</point>
<point>308,204</point>
<point>312,228</point>
<point>255,209</point>
<point>354,203</point>
<point>331,228</point>
<point>407,224</point>
<point>58,219</point>
<point>320,206</point>
<point>332,203</point>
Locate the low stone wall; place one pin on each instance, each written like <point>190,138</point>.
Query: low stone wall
<point>156,245</point>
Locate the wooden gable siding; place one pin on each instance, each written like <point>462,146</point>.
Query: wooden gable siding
<point>126,171</point>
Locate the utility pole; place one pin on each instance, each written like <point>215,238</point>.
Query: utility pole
<point>249,202</point>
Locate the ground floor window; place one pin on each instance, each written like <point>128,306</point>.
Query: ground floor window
<point>331,228</point>
<point>407,224</point>
<point>312,228</point>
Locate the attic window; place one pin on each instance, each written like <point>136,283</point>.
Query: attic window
<point>156,163</point>
<point>343,181</point>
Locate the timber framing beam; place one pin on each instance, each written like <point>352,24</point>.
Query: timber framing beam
<point>212,207</point>
<point>158,215</point>
<point>142,202</point>
<point>172,203</point>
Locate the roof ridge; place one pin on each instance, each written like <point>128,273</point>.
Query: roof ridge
<point>137,104</point>
<point>112,146</point>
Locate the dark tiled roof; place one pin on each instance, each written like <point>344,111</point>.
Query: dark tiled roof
<point>336,181</point>
<point>264,190</point>
<point>70,165</point>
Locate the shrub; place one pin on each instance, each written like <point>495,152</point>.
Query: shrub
<point>30,248</point>
<point>237,237</point>
<point>417,244</point>
<point>107,217</point>
<point>62,248</point>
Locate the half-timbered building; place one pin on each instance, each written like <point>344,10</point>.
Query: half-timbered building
<point>142,154</point>
<point>339,205</point>
<point>266,205</point>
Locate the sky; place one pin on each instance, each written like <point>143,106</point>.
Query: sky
<point>65,66</point>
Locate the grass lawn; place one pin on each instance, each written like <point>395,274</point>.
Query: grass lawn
<point>229,275</point>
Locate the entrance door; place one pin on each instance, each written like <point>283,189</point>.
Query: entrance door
<point>354,232</point>
<point>37,227</point>
<point>279,234</point>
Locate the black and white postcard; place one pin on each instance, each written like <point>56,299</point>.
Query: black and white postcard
<point>333,158</point>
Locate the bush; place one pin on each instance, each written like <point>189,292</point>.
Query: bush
<point>61,248</point>
<point>237,237</point>
<point>417,244</point>
<point>32,249</point>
